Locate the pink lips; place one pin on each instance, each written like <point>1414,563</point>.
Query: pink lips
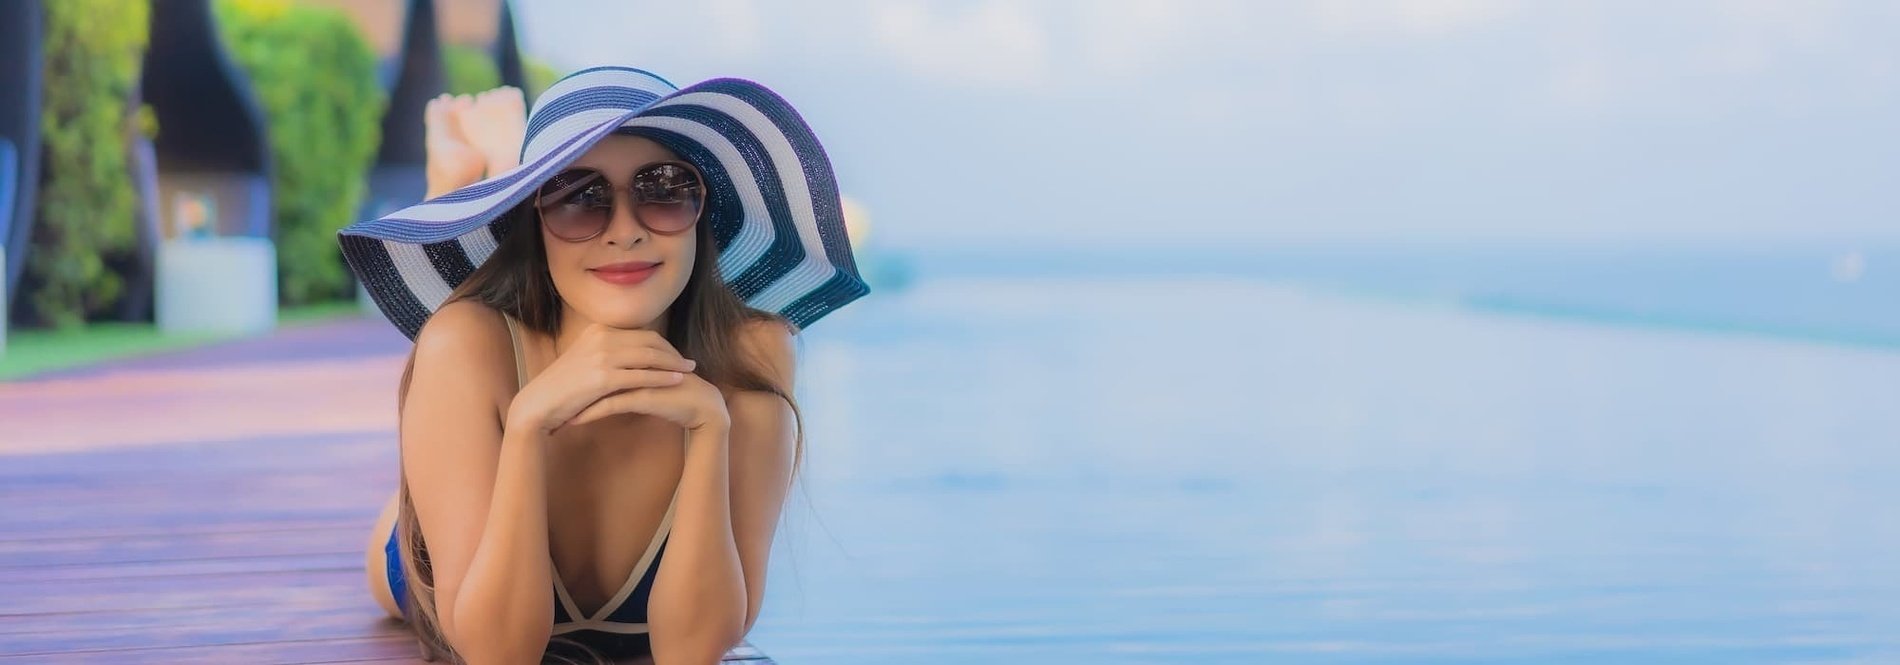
<point>630,272</point>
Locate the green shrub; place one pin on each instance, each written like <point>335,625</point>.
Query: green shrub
<point>86,208</point>
<point>469,70</point>
<point>315,76</point>
<point>540,75</point>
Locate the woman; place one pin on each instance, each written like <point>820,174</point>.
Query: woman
<point>597,426</point>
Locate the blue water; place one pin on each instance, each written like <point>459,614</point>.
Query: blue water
<point>1014,462</point>
<point>1843,291</point>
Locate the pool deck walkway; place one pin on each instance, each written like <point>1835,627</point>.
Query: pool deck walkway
<point>209,505</point>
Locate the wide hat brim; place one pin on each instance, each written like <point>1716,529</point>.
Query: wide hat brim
<point>773,201</point>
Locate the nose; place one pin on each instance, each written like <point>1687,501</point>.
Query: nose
<point>623,228</point>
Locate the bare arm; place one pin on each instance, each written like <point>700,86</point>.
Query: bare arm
<point>505,599</point>
<point>699,601</point>
<point>479,490</point>
<point>707,597</point>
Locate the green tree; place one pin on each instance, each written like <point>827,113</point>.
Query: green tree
<point>470,70</point>
<point>86,203</point>
<point>540,75</point>
<point>315,75</point>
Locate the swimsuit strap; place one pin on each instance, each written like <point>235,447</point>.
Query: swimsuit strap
<point>514,338</point>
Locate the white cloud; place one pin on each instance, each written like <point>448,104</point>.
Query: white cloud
<point>1750,35</point>
<point>1136,35</point>
<point>1428,18</point>
<point>740,32</point>
<point>670,37</point>
<point>998,43</point>
<point>1583,84</point>
<point>1315,110</point>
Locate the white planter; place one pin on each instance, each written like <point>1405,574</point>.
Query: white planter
<point>223,285</point>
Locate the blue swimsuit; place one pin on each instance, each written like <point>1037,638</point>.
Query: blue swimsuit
<point>618,628</point>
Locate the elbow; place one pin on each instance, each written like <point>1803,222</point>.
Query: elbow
<point>503,640</point>
<point>751,617</point>
<point>692,657</point>
<point>699,634</point>
<point>708,647</point>
<point>516,649</point>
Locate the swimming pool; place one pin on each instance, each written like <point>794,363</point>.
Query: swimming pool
<point>1219,469</point>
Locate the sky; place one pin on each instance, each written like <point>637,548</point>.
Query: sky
<point>1137,123</point>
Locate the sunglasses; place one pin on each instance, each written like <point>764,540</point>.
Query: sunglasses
<point>577,204</point>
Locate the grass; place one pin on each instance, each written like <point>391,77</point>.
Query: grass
<point>31,351</point>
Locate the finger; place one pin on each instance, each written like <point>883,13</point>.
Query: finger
<point>615,380</point>
<point>614,338</point>
<point>656,357</point>
<point>635,401</point>
<point>638,337</point>
<point>617,358</point>
<point>661,358</point>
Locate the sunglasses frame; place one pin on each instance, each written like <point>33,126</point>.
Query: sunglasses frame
<point>699,216</point>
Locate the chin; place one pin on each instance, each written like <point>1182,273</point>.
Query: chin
<point>622,306</point>
<point>622,309</point>
<point>622,315</point>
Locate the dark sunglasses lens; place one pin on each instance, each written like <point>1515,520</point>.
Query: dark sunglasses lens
<point>576,205</point>
<point>669,197</point>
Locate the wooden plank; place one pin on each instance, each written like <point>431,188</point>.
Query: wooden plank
<point>216,566</point>
<point>66,521</point>
<point>396,649</point>
<point>85,531</point>
<point>33,596</point>
<point>329,613</point>
<point>240,541</point>
<point>178,547</point>
<point>210,628</point>
<point>390,647</point>
<point>129,614</point>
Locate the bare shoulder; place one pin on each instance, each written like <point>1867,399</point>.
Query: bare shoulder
<point>762,422</point>
<point>773,347</point>
<point>466,343</point>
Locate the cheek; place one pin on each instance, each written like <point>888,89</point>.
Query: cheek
<point>679,252</point>
<point>685,251</point>
<point>564,262</point>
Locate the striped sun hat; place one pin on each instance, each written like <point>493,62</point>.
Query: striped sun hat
<point>772,202</point>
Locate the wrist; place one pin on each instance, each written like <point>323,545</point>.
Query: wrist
<point>710,431</point>
<point>525,425</point>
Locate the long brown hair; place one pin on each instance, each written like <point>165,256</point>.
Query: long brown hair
<point>704,324</point>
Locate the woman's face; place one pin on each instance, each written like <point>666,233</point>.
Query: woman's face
<point>582,270</point>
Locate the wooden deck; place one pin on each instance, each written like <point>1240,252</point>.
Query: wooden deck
<point>205,506</point>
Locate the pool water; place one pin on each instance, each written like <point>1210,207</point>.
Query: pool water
<point>1044,468</point>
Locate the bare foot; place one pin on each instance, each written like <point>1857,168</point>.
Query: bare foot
<point>453,162</point>
<point>495,125</point>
